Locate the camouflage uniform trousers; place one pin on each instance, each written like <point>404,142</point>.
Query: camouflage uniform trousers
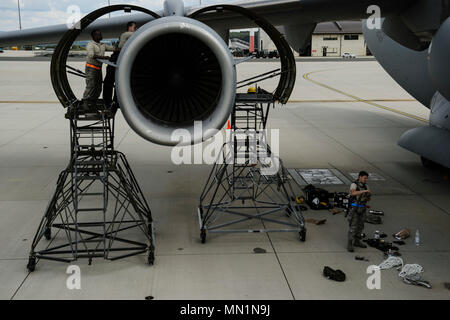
<point>356,219</point>
<point>94,80</point>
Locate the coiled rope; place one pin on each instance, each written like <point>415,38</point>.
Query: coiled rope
<point>391,262</point>
<point>409,272</point>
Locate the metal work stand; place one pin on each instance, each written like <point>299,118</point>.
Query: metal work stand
<point>97,203</point>
<point>242,184</point>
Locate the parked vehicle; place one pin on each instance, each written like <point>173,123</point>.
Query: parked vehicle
<point>261,54</point>
<point>237,52</point>
<point>348,55</point>
<point>266,54</point>
<point>274,54</point>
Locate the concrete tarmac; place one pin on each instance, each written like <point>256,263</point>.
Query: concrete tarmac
<point>345,116</point>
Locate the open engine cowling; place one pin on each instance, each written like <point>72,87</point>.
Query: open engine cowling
<point>172,72</point>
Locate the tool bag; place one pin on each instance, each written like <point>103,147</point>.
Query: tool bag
<point>341,200</point>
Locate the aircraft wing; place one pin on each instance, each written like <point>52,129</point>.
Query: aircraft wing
<point>281,12</point>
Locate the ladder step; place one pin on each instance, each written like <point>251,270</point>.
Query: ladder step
<point>240,142</point>
<point>88,146</point>
<point>89,170</point>
<point>87,256</point>
<point>90,178</point>
<point>90,129</point>
<point>90,224</point>
<point>95,153</point>
<point>93,118</point>
<point>87,134</point>
<point>90,162</point>
<point>92,170</point>
<point>241,187</point>
<point>243,198</point>
<point>90,194</point>
<point>90,209</point>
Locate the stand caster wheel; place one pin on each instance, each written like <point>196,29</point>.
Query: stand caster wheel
<point>48,234</point>
<point>288,212</point>
<point>31,266</point>
<point>203,236</point>
<point>302,234</point>
<point>151,258</point>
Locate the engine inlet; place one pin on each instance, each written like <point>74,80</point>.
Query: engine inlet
<point>176,79</point>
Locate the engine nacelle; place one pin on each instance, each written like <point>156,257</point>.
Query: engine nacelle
<point>172,72</point>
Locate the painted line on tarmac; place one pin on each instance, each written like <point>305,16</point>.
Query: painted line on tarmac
<point>358,99</point>
<point>352,100</point>
<point>28,101</point>
<point>290,101</point>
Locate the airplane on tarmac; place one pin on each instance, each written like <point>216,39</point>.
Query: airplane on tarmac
<point>412,43</point>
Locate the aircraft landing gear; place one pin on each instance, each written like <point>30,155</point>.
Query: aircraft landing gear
<point>427,163</point>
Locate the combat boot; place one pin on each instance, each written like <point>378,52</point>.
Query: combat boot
<point>359,244</point>
<point>350,246</point>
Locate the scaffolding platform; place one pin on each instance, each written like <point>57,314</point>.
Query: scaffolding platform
<point>98,209</point>
<point>248,181</point>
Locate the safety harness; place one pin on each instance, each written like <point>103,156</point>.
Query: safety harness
<point>357,201</point>
<point>92,66</point>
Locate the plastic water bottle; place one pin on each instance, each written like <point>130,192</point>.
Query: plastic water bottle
<point>417,238</point>
<point>377,235</point>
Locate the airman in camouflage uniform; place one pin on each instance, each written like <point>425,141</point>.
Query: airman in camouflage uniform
<point>359,196</point>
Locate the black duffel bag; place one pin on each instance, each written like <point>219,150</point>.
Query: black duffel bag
<point>317,198</point>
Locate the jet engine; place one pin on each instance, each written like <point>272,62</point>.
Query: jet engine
<point>438,59</point>
<point>172,72</point>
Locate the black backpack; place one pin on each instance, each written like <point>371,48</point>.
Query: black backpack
<point>341,200</point>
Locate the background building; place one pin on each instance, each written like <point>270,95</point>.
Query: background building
<point>331,39</point>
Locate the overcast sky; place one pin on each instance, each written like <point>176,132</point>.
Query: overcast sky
<point>38,13</point>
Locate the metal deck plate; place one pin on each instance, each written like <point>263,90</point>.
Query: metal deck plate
<point>304,177</point>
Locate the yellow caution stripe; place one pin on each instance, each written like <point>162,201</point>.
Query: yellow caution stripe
<point>306,76</point>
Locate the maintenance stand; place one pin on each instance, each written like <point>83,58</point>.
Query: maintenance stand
<point>98,209</point>
<point>97,202</point>
<point>243,183</point>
